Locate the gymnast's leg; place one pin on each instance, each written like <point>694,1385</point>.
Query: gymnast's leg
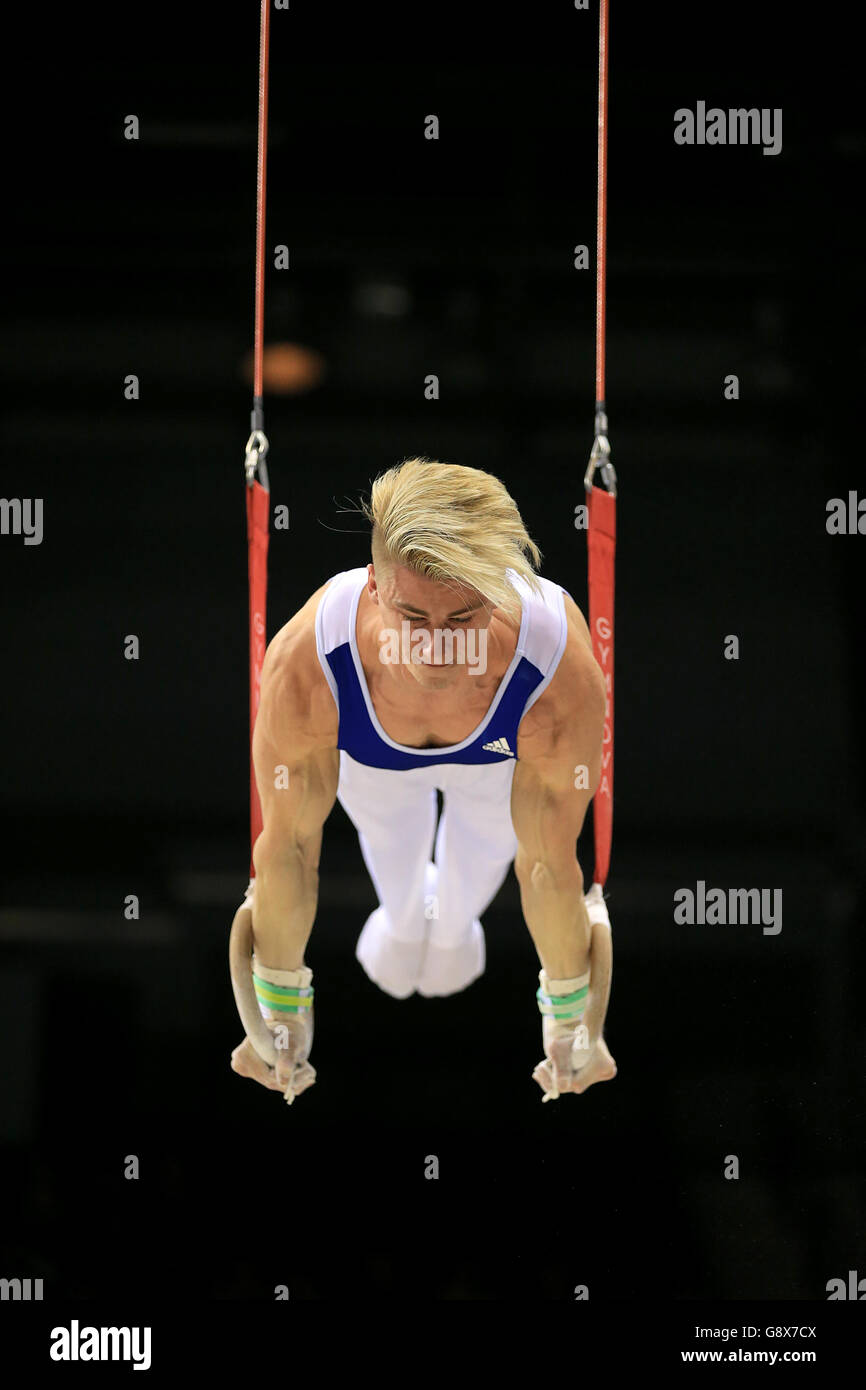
<point>395,816</point>
<point>475,846</point>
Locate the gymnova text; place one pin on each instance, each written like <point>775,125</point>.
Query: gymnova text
<point>737,906</point>
<point>76,1343</point>
<point>737,126</point>
<point>453,647</point>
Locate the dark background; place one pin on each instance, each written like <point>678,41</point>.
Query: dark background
<point>410,257</point>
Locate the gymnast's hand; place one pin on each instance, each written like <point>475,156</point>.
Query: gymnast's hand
<point>570,1065</point>
<point>575,1053</point>
<point>293,1038</point>
<point>291,1032</point>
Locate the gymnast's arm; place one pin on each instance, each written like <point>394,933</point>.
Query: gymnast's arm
<point>560,734</point>
<point>297,768</point>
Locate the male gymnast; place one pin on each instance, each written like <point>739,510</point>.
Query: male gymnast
<point>447,663</point>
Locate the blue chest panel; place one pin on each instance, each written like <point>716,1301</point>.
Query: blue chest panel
<point>360,738</point>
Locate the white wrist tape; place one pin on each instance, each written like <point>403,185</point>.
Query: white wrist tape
<point>284,996</point>
<point>562,1001</point>
<point>303,977</point>
<point>562,986</point>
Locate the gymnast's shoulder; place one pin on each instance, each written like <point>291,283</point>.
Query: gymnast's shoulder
<point>575,697</point>
<point>294,689</point>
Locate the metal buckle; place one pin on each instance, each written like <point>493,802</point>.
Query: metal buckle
<point>600,454</point>
<point>254,462</point>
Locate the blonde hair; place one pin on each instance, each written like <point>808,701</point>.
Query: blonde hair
<point>454,525</point>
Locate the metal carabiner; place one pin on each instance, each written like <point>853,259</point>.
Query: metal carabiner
<point>254,462</point>
<point>601,455</point>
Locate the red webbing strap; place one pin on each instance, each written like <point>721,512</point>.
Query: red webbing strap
<point>258,500</point>
<point>261,203</point>
<point>601,208</point>
<point>258,492</point>
<point>601,535</point>
<point>601,545</point>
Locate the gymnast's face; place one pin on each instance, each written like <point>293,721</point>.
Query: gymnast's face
<point>436,632</point>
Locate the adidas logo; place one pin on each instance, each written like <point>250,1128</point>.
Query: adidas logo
<point>499,745</point>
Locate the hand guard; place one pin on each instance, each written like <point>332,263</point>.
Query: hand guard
<point>563,1005</point>
<point>281,1036</point>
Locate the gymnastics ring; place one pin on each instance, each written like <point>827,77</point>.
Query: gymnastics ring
<point>240,966</point>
